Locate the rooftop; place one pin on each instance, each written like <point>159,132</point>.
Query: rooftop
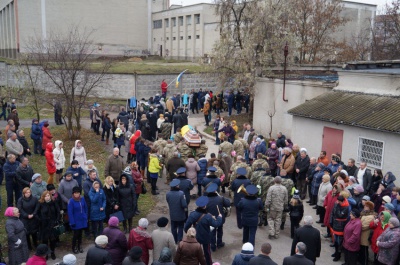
<point>374,112</point>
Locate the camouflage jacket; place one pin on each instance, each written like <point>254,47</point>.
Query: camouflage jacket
<point>237,165</point>
<point>263,162</point>
<point>184,150</point>
<point>256,175</point>
<point>168,152</point>
<point>244,143</point>
<point>165,128</point>
<point>177,138</point>
<point>265,182</point>
<point>226,147</point>
<point>238,147</point>
<point>159,145</point>
<point>277,198</point>
<point>288,184</point>
<point>201,150</point>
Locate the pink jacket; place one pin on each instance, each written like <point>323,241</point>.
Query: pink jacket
<point>191,169</point>
<point>352,235</point>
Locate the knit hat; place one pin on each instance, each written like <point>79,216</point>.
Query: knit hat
<point>113,221</point>
<point>76,189</point>
<point>326,177</point>
<point>162,222</point>
<point>101,240</point>
<point>50,187</point>
<point>69,259</point>
<point>89,162</point>
<point>366,198</point>
<point>42,250</point>
<point>389,206</point>
<point>247,248</point>
<point>303,150</point>
<point>296,195</point>
<point>35,176</point>
<point>394,221</point>
<point>344,172</point>
<point>340,198</point>
<point>359,188</point>
<point>387,199</point>
<point>370,205</point>
<point>355,212</point>
<point>135,253</point>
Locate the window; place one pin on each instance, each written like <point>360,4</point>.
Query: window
<point>180,21</point>
<point>370,151</point>
<point>173,38</point>
<point>157,24</point>
<point>197,36</point>
<point>181,37</point>
<point>188,20</point>
<point>189,37</point>
<point>197,18</point>
<point>166,22</point>
<point>173,21</point>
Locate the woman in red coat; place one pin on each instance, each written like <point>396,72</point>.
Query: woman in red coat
<point>50,164</point>
<point>132,141</point>
<point>138,180</point>
<point>141,238</point>
<point>329,204</point>
<point>46,135</point>
<point>378,225</point>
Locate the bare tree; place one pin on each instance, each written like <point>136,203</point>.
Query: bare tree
<point>386,33</point>
<point>65,59</point>
<point>314,22</point>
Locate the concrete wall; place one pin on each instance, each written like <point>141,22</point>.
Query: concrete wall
<point>120,85</point>
<point>308,133</point>
<point>269,93</point>
<point>370,82</point>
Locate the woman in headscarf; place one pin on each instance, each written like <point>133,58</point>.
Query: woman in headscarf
<point>132,142</point>
<point>388,243</point>
<point>78,153</point>
<point>140,237</point>
<point>165,257</point>
<point>59,159</point>
<point>46,135</point>
<point>18,251</point>
<point>323,191</point>
<point>160,121</point>
<point>379,225</point>
<point>189,250</point>
<point>50,164</point>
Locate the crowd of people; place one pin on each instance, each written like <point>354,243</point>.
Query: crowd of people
<point>266,180</point>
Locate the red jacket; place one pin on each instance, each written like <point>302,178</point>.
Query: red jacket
<point>329,203</point>
<point>378,230</point>
<point>36,260</point>
<point>352,235</point>
<point>137,179</point>
<point>164,86</point>
<point>139,237</point>
<point>46,137</point>
<point>132,141</point>
<point>50,165</point>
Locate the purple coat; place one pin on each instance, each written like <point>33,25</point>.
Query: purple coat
<point>273,156</point>
<point>117,244</point>
<point>389,242</point>
<point>352,235</point>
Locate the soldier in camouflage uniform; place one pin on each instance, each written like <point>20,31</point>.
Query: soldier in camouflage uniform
<point>159,145</point>
<point>178,136</point>
<point>165,129</point>
<point>219,171</point>
<point>225,164</point>
<point>226,147</point>
<point>260,160</point>
<point>288,184</point>
<point>184,150</point>
<point>168,153</point>
<point>238,148</point>
<point>202,149</point>
<point>275,203</point>
<point>241,162</point>
<point>263,182</point>
<point>257,174</point>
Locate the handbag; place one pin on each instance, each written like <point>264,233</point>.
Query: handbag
<point>59,229</point>
<point>119,215</point>
<point>144,189</point>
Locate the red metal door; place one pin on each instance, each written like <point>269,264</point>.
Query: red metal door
<point>332,140</point>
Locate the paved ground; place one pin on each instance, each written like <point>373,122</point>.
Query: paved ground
<point>232,235</point>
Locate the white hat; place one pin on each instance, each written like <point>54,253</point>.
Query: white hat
<point>69,259</point>
<point>101,240</point>
<point>143,223</point>
<point>303,150</point>
<point>247,247</point>
<point>387,199</point>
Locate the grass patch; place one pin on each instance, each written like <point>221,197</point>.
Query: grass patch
<point>208,130</point>
<point>153,68</point>
<point>95,150</point>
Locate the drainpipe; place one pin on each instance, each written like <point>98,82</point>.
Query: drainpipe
<point>16,23</point>
<point>285,53</point>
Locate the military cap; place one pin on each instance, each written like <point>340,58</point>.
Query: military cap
<point>212,187</point>
<point>174,183</point>
<point>241,171</point>
<point>212,169</point>
<point>202,201</point>
<point>251,190</point>
<point>181,170</point>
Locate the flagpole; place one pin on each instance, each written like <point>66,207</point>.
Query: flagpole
<point>177,77</point>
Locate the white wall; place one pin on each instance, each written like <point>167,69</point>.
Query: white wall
<point>308,133</point>
<point>268,92</point>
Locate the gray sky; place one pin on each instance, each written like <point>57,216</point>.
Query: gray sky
<point>380,3</point>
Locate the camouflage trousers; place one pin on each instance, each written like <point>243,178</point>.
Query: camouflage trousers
<point>274,222</point>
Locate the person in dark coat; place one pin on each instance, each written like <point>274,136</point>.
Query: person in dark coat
<point>237,197</point>
<point>77,172</point>
<point>202,162</point>
<point>98,254</point>
<point>363,176</point>
<point>28,207</point>
<point>134,257</point>
<point>123,117</point>
<point>177,120</point>
<point>87,186</point>
<point>36,136</point>
<point>215,207</point>
<point>78,217</point>
<point>280,142</point>
<point>311,237</point>
<point>112,197</point>
<point>309,176</point>
<point>296,212</point>
<point>211,178</point>
<point>24,174</point>
<point>145,128</point>
<point>263,258</point>
<point>202,221</point>
<point>177,209</point>
<point>49,214</point>
<point>165,257</point>
<point>127,201</point>
<point>301,166</point>
<point>174,164</point>
<point>18,251</point>
<point>299,258</point>
<point>249,206</point>
<point>117,244</point>
<point>152,117</point>
<point>22,140</point>
<point>245,255</point>
<point>12,188</point>
<point>189,250</point>
<point>185,184</point>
